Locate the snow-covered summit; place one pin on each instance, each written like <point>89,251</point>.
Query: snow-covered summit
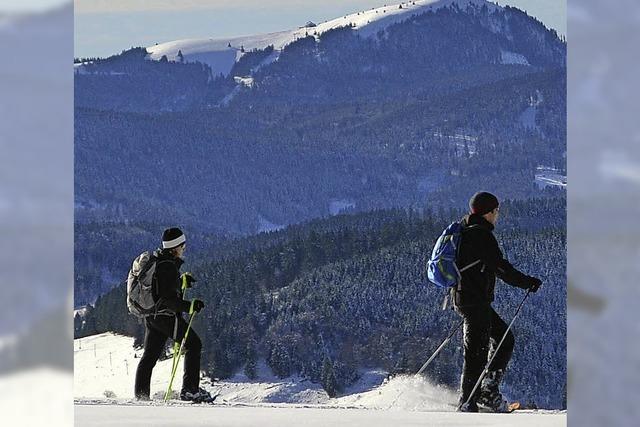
<point>222,53</point>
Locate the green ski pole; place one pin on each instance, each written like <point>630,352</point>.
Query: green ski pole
<point>192,314</point>
<point>176,345</point>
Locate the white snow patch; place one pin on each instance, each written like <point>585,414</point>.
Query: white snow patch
<point>246,81</point>
<point>407,392</point>
<point>221,53</point>
<point>549,177</point>
<point>338,206</point>
<point>265,226</point>
<point>464,143</point>
<point>457,136</point>
<point>82,311</point>
<point>513,58</point>
<point>80,68</point>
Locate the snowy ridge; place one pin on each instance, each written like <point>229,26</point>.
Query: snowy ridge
<point>220,54</point>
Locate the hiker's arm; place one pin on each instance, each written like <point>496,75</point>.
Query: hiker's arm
<point>168,280</point>
<point>512,276</point>
<point>503,268</point>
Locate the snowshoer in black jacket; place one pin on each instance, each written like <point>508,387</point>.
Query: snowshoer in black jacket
<point>168,321</point>
<point>483,328</point>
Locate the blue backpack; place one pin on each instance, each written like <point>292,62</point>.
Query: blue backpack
<point>442,270</point>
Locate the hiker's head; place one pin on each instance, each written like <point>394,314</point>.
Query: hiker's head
<point>486,205</point>
<point>173,240</point>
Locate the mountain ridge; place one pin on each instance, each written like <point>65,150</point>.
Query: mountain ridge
<point>218,52</point>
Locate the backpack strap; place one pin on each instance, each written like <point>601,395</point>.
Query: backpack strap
<point>156,294</point>
<point>473,264</point>
<point>469,227</point>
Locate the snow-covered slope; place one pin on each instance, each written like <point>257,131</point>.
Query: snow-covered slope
<point>105,366</point>
<point>221,54</point>
<point>107,362</point>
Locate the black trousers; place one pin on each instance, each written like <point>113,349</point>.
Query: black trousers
<point>157,330</point>
<point>483,330</point>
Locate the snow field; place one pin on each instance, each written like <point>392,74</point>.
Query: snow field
<point>122,416</point>
<point>107,362</point>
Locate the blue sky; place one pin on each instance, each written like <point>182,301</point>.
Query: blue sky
<point>105,27</point>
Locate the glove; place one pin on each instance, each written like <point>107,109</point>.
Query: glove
<point>534,284</point>
<point>188,278</point>
<point>198,305</point>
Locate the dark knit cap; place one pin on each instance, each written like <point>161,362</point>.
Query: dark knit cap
<point>172,238</point>
<point>482,203</point>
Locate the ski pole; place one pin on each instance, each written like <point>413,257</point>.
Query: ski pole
<point>444,343</point>
<point>495,352</point>
<point>192,314</point>
<point>433,356</point>
<point>176,346</point>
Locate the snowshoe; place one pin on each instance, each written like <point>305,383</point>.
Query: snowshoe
<point>514,406</point>
<point>200,396</point>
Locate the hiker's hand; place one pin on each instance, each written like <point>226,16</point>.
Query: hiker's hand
<point>534,284</point>
<point>188,279</point>
<point>198,305</point>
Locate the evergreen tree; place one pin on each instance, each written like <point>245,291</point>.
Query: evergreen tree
<point>250,368</point>
<point>328,378</point>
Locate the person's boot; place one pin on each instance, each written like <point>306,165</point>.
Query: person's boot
<point>199,396</point>
<point>142,397</point>
<point>490,396</point>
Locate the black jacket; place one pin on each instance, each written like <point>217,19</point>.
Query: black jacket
<point>478,282</point>
<point>167,287</point>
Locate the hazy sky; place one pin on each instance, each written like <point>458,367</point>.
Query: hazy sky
<point>105,27</point>
<point>29,5</point>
